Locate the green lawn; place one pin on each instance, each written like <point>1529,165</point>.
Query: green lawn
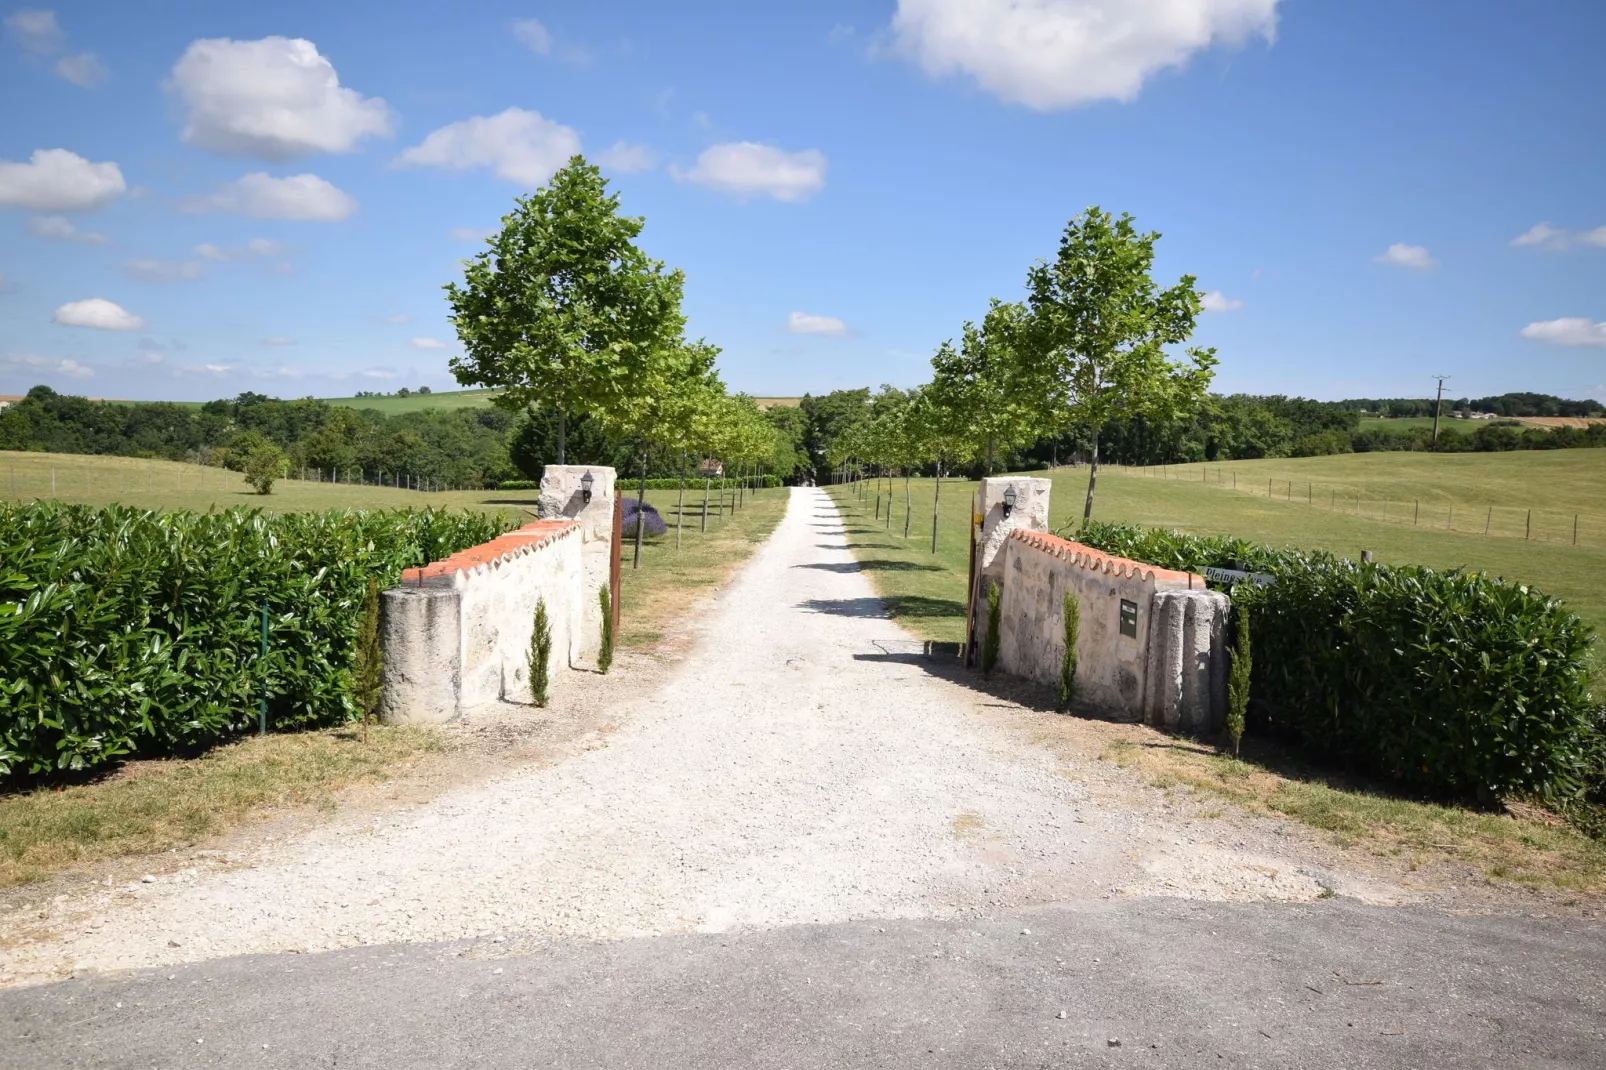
<point>928,590</point>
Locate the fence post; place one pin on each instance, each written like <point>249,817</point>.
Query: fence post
<point>1416,516</point>
<point>1528,529</point>
<point>1575,529</point>
<point>1488,520</point>
<point>1268,487</point>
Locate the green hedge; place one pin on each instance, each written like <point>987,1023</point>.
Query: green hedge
<point>124,631</point>
<point>1449,682</point>
<point>627,484</point>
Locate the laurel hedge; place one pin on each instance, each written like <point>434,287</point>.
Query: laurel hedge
<point>126,631</point>
<point>1452,683</point>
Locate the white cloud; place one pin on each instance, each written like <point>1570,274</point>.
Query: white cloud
<point>532,35</point>
<point>1567,331</point>
<point>398,318</point>
<point>303,197</point>
<point>747,169</point>
<point>35,364</point>
<point>161,271</point>
<point>1049,54</point>
<point>1552,239</point>
<point>55,180</point>
<point>471,234</point>
<point>519,146</point>
<point>1216,301</point>
<point>59,228</point>
<point>254,248</point>
<point>36,31</point>
<point>627,158</point>
<point>272,99</point>
<point>804,323</point>
<point>1407,256</point>
<point>428,343</point>
<point>99,313</point>
<point>84,70</point>
<point>278,340</point>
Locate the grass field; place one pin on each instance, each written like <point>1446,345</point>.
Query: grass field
<point>1191,498</point>
<point>391,405</point>
<point>172,803</point>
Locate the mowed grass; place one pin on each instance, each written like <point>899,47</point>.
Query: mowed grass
<point>926,593</point>
<point>152,806</point>
<point>1464,492</point>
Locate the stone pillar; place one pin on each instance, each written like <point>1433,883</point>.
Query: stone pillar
<point>1187,664</point>
<point>1030,512</point>
<point>562,496</point>
<point>422,631</point>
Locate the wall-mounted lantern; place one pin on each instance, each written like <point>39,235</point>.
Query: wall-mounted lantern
<point>1009,499</point>
<point>585,488</point>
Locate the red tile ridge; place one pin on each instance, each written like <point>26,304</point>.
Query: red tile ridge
<point>1088,557</point>
<point>527,539</point>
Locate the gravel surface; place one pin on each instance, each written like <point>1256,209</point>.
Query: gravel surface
<point>789,770</point>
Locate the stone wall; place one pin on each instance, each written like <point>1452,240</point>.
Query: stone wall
<point>1167,666</point>
<point>457,632</point>
<point>1150,643</point>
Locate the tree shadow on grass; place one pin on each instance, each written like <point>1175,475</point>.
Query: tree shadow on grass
<point>873,565</point>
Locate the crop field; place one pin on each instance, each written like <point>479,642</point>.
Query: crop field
<point>927,590</point>
<point>392,405</point>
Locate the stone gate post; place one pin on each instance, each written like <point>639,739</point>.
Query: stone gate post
<point>563,495</point>
<point>998,519</point>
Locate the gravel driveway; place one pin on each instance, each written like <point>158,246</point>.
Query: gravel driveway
<point>788,771</point>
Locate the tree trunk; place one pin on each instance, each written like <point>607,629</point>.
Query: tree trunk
<point>708,485</point>
<point>680,503</point>
<point>1092,479</point>
<point>641,517</point>
<point>936,496</point>
<point>563,435</point>
<point>906,509</point>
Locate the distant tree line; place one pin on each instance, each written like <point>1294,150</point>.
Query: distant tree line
<point>1241,427</point>
<point>1514,404</point>
<point>467,447</point>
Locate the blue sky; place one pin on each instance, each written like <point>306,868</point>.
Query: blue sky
<point>198,199</point>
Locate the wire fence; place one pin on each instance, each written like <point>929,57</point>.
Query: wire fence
<point>1492,519</point>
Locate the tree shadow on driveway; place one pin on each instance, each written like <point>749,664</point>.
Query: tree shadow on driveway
<point>891,607</point>
<point>874,565</point>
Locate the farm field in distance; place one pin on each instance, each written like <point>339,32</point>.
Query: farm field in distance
<point>927,591</point>
<point>391,405</point>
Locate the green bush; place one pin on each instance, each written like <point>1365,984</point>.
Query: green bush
<point>1449,682</point>
<point>124,631</point>
<point>989,641</point>
<point>1072,609</point>
<point>540,655</point>
<point>605,651</point>
<point>1238,678</point>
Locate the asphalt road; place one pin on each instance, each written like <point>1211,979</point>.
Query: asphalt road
<point>1151,982</point>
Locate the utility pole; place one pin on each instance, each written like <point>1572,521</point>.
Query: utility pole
<point>1438,402</point>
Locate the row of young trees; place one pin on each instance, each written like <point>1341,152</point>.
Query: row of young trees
<point>1088,345</point>
<point>572,322</point>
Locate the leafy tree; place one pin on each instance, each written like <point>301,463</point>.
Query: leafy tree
<point>539,656</point>
<point>264,466</point>
<point>562,310</point>
<point>983,389</point>
<point>1098,329</point>
<point>368,663</point>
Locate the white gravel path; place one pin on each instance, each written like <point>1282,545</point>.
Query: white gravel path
<point>786,772</point>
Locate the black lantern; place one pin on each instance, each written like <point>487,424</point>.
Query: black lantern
<point>1009,499</point>
<point>585,488</point>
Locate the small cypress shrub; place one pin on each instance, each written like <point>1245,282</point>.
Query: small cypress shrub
<point>1073,625</point>
<point>1238,680</point>
<point>540,657</point>
<point>989,643</point>
<point>369,660</point>
<point>605,653</point>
